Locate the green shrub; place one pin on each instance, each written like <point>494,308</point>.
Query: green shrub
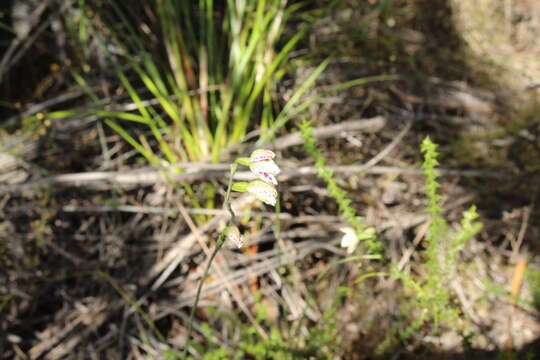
<point>431,297</point>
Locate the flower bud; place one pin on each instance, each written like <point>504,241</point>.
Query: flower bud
<point>234,237</point>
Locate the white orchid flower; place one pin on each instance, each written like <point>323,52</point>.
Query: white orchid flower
<point>349,240</point>
<point>263,191</point>
<point>266,171</point>
<point>262,165</point>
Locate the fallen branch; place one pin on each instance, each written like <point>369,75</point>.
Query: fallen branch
<point>101,180</point>
<point>194,171</point>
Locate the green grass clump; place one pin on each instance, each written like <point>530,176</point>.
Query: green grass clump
<point>208,71</point>
<point>191,77</point>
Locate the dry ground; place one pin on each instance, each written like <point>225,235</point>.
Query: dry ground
<point>99,258</point>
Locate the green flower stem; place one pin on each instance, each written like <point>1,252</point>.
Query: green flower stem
<point>219,244</point>
<point>277,223</point>
<point>228,194</point>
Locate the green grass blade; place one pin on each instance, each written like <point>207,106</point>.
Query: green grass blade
<point>343,261</point>
<point>152,159</point>
<point>284,116</point>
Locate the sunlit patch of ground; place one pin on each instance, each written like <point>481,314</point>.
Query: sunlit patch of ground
<point>503,33</point>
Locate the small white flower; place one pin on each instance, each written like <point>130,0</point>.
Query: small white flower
<point>263,191</point>
<point>262,165</point>
<point>349,240</point>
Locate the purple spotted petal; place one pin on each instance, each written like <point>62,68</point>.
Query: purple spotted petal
<point>261,155</point>
<point>267,177</point>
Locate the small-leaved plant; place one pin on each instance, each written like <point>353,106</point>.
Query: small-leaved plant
<point>359,232</point>
<point>431,297</point>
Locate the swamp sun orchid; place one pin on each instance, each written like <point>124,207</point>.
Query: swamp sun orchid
<point>260,163</point>
<point>265,170</point>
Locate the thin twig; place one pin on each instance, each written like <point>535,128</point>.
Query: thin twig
<point>382,154</point>
<point>368,125</point>
<point>516,246</point>
<point>135,209</point>
<point>303,249</point>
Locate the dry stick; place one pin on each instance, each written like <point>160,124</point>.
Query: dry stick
<point>148,210</point>
<point>517,282</point>
<point>381,170</point>
<point>181,249</point>
<point>466,304</point>
<point>523,229</point>
<point>374,160</point>
<point>104,179</point>
<point>195,171</point>
<point>368,125</point>
<point>408,253</point>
